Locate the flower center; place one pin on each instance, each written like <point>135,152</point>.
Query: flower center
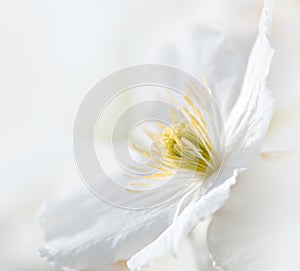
<point>185,147</point>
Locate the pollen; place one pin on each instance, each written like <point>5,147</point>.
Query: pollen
<point>185,148</point>
<point>184,145</point>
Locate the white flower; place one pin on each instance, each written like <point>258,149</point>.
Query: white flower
<point>85,233</point>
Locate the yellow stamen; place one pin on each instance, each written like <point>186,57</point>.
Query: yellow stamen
<point>184,145</point>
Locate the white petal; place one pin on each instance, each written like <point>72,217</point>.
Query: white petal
<point>220,55</point>
<point>167,243</point>
<point>186,259</point>
<point>198,236</point>
<point>253,110</point>
<point>83,232</point>
<point>258,228</point>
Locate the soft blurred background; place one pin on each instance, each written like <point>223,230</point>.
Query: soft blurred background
<point>53,52</point>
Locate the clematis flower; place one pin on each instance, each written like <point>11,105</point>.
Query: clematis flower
<point>84,233</point>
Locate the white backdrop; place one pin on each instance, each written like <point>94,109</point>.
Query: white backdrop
<point>53,52</point>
